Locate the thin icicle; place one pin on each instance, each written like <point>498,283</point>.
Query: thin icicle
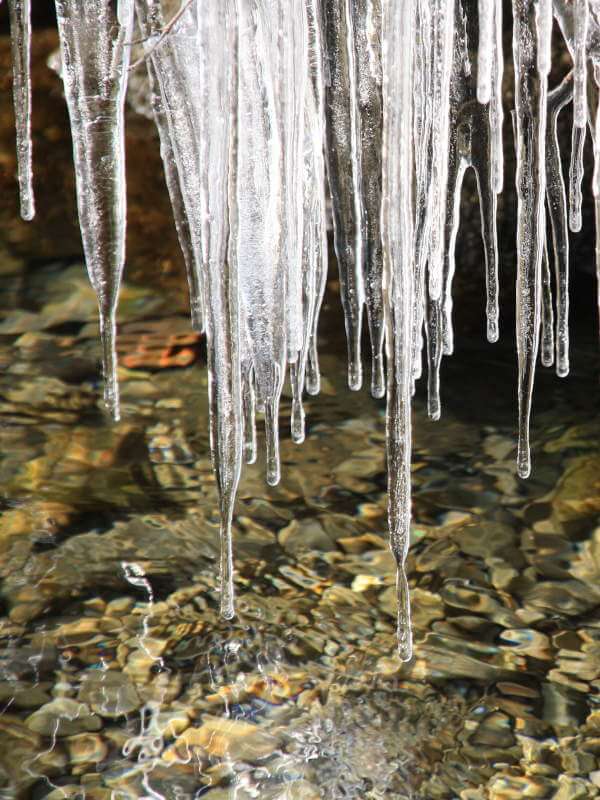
<point>343,170</point>
<point>434,330</point>
<point>173,62</point>
<point>367,34</point>
<point>95,60</point>
<point>20,38</point>
<point>398,37</point>
<point>547,348</point>
<point>496,111</point>
<point>443,17</point>
<point>556,199</point>
<point>530,53</point>
<point>176,197</point>
<point>249,410</point>
<point>315,211</point>
<point>292,88</point>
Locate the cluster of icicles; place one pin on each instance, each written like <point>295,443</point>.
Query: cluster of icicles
<point>262,104</point>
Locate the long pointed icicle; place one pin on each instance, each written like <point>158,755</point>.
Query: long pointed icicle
<point>398,35</point>
<point>217,74</point>
<point>95,49</point>
<point>531,57</point>
<point>315,219</point>
<point>20,36</point>
<point>557,211</point>
<point>343,170</point>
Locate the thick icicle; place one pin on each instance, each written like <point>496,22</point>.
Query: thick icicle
<point>367,33</point>
<point>557,211</point>
<point>94,41</point>
<point>343,170</point>
<point>531,58</point>
<point>20,38</point>
<point>217,74</point>
<point>398,36</point>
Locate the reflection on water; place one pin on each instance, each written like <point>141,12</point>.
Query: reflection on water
<point>119,680</point>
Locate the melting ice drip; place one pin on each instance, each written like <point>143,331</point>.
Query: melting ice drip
<point>255,101</point>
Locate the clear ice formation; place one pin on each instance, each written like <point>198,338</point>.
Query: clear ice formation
<point>95,39</point>
<point>260,106</point>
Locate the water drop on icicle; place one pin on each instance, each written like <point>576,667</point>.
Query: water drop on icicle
<point>20,38</point>
<point>93,43</point>
<point>531,46</point>
<point>556,200</point>
<point>343,170</point>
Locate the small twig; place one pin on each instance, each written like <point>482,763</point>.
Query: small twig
<point>165,32</point>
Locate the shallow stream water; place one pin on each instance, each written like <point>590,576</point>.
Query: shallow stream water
<point>119,680</point>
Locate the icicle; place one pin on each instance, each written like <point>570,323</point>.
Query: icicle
<point>217,34</point>
<point>249,409</point>
<point>471,145</point>
<point>20,39</point>
<point>576,177</point>
<point>443,14</point>
<point>580,33</point>
<point>557,209</point>
<point>434,329</point>
<point>496,112</point>
<point>367,32</point>
<point>422,122</point>
<point>172,62</point>
<point>343,170</point>
<point>398,36</point>
<point>530,49</point>
<point>547,349</point>
<point>291,90</point>
<point>182,225</point>
<point>95,56</point>
<point>259,197</point>
<point>485,53</point>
